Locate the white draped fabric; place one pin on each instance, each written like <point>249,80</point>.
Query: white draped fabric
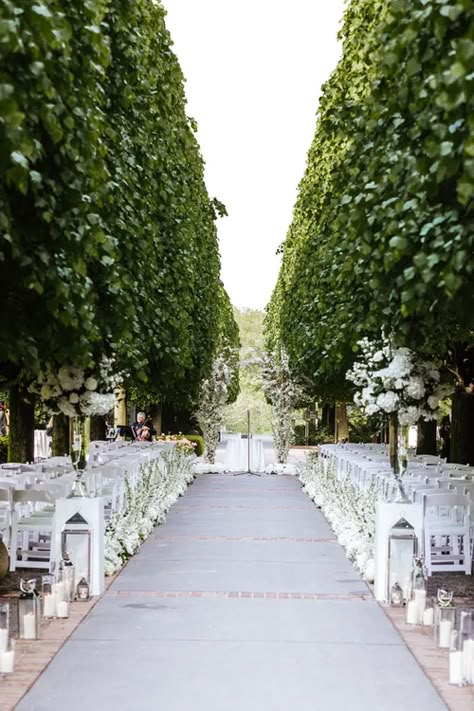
<point>41,444</point>
<point>237,455</point>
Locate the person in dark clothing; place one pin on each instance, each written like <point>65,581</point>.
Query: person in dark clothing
<point>445,436</point>
<point>142,429</point>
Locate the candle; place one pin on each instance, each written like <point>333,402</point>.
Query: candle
<point>445,627</point>
<point>58,590</point>
<point>3,640</point>
<point>49,608</point>
<point>468,654</point>
<point>412,612</point>
<point>29,626</point>
<point>456,668</point>
<point>7,661</point>
<point>63,608</point>
<point>420,598</point>
<point>428,617</point>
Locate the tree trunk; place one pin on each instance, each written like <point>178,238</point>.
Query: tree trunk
<point>393,443</point>
<point>342,423</point>
<point>60,443</point>
<point>120,409</point>
<point>155,414</point>
<point>426,442</point>
<point>96,428</point>
<point>462,428</point>
<point>328,417</point>
<point>21,445</point>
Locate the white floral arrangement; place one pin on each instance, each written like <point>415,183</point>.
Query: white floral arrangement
<point>213,398</point>
<point>202,467</point>
<point>75,391</point>
<point>283,394</point>
<point>392,380</point>
<point>278,468</point>
<point>349,510</point>
<point>160,483</point>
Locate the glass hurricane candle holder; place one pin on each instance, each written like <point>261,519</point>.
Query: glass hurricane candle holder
<point>67,576</point>
<point>466,633</point>
<point>416,599</point>
<point>445,623</point>
<point>49,596</point>
<point>4,626</point>
<point>7,658</point>
<point>456,660</point>
<point>29,611</point>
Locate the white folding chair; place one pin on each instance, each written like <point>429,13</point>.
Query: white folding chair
<point>447,533</point>
<point>32,520</point>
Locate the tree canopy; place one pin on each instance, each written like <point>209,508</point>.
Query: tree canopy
<point>383,228</point>
<point>108,242</point>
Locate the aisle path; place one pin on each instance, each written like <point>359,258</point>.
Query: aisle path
<point>243,601</point>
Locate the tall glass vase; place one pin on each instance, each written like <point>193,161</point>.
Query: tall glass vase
<point>77,442</point>
<point>393,439</point>
<point>398,458</point>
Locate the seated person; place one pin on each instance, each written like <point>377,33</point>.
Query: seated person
<point>142,429</point>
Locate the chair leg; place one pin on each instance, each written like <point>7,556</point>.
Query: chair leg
<point>13,544</point>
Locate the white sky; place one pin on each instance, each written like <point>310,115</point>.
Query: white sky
<point>254,70</point>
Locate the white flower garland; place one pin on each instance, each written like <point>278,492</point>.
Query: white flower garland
<point>349,510</point>
<point>283,394</point>
<point>393,380</point>
<point>213,398</point>
<point>160,484</point>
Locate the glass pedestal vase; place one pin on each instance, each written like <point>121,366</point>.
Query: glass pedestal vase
<point>77,442</point>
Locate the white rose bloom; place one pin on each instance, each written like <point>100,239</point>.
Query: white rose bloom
<point>399,384</point>
<point>415,388</point>
<point>91,383</point>
<point>388,401</point>
<point>409,416</point>
<point>434,375</point>
<point>74,398</point>
<point>66,407</point>
<point>71,378</point>
<point>45,392</point>
<point>378,356</point>
<point>371,409</point>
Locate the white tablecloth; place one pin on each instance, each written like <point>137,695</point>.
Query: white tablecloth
<point>41,444</point>
<point>236,457</point>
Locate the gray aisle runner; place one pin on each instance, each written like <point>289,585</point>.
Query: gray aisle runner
<point>242,601</point>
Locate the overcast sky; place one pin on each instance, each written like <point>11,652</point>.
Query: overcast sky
<point>254,71</point>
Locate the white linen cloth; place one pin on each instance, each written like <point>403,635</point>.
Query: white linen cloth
<point>41,444</point>
<point>236,456</point>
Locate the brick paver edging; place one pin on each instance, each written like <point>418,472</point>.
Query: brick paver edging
<point>432,660</point>
<point>231,594</point>
<point>247,539</point>
<point>33,656</point>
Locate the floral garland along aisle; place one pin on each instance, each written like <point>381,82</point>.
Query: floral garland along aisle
<point>349,511</point>
<point>161,483</point>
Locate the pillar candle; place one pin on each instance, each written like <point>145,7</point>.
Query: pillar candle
<point>445,627</point>
<point>3,640</point>
<point>468,654</point>
<point>7,661</point>
<point>29,626</point>
<point>62,609</point>
<point>412,612</point>
<point>49,607</point>
<point>58,590</point>
<point>428,617</point>
<point>420,597</point>
<point>456,668</point>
